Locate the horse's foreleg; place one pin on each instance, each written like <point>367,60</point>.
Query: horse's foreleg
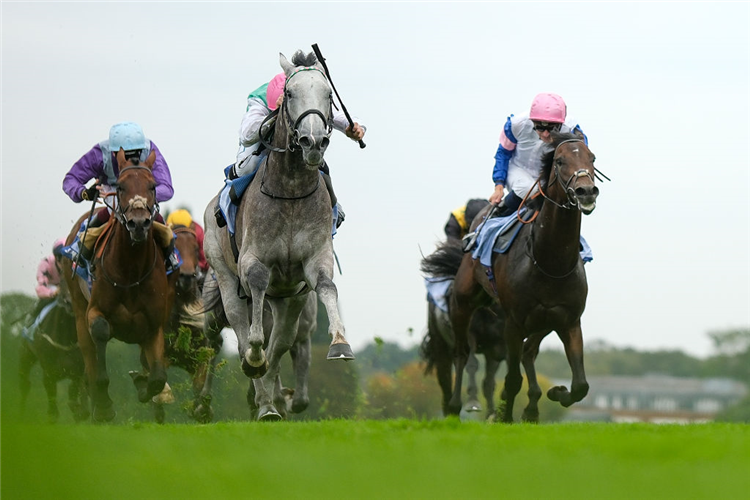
<point>254,276</point>
<point>328,294</point>
<point>50,387</point>
<point>488,385</point>
<point>300,353</point>
<point>572,339</point>
<point>513,379</point>
<point>96,366</point>
<point>530,352</point>
<point>153,349</point>
<point>286,314</point>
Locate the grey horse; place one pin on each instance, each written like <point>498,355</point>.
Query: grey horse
<point>283,237</point>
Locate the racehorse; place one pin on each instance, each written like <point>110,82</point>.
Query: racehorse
<point>186,346</point>
<point>540,283</point>
<point>485,336</point>
<point>283,236</point>
<point>131,295</point>
<point>54,346</point>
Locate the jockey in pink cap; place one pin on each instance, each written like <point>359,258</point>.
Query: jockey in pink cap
<point>519,155</point>
<point>260,103</point>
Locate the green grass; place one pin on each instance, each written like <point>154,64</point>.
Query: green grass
<point>374,459</point>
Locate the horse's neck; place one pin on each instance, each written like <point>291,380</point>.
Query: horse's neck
<point>129,258</point>
<point>556,234</point>
<point>286,175</point>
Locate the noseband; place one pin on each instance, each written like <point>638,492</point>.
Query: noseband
<point>135,203</point>
<point>292,126</point>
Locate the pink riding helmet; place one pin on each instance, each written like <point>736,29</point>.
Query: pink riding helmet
<point>274,90</point>
<point>548,107</point>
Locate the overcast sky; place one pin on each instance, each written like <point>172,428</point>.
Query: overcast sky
<point>661,89</point>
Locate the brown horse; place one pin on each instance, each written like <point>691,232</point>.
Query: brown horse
<point>54,347</point>
<point>131,296</point>
<point>540,282</point>
<point>485,336</point>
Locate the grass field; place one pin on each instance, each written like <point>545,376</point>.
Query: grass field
<point>374,459</point>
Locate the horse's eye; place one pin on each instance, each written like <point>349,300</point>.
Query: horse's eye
<point>288,93</point>
<point>593,159</point>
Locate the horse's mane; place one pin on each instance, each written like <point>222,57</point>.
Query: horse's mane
<point>445,261</point>
<point>301,59</point>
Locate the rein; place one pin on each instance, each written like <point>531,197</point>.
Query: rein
<point>276,197</point>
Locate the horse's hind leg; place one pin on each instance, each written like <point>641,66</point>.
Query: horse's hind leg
<point>26,362</point>
<point>513,379</point>
<point>572,339</point>
<point>472,366</point>
<point>488,385</point>
<point>78,399</point>
<point>300,353</point>
<point>328,294</point>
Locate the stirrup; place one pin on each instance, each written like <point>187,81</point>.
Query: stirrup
<point>221,221</point>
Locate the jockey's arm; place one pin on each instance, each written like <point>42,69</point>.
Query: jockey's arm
<point>251,121</point>
<point>90,166</point>
<point>340,123</point>
<point>162,176</point>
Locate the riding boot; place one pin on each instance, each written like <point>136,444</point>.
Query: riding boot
<point>508,205</point>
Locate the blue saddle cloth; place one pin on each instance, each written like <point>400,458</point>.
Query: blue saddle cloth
<point>28,332</point>
<point>437,291</point>
<point>487,240</point>
<point>231,195</point>
<point>73,250</point>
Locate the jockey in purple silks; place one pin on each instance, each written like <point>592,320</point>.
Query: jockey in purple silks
<point>522,144</point>
<point>100,164</point>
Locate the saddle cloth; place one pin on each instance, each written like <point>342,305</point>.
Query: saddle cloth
<point>437,291</point>
<point>497,236</point>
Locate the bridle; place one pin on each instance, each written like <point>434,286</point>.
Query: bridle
<point>120,213</point>
<point>569,185</point>
<point>292,126</point>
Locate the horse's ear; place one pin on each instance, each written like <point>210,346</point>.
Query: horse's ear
<point>578,133</point>
<point>285,64</point>
<point>121,157</point>
<point>151,159</point>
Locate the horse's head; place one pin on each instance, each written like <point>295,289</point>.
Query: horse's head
<point>307,106</point>
<point>136,195</point>
<point>187,284</point>
<point>569,170</point>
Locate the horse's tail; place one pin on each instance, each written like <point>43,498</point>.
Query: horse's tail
<point>444,261</point>
<point>427,352</point>
<point>211,297</point>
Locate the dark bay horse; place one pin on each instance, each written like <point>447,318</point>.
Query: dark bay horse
<point>55,348</point>
<point>540,282</point>
<point>131,296</point>
<point>283,235</point>
<point>485,336</point>
<point>186,346</point>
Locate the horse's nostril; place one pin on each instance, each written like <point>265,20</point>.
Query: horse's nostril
<point>324,143</point>
<point>581,191</point>
<point>130,225</point>
<point>595,191</point>
<point>305,142</point>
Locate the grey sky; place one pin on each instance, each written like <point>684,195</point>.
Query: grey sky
<point>661,89</point>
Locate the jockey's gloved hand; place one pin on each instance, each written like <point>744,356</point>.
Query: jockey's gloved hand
<point>90,193</point>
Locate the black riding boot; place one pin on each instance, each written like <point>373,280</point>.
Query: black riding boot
<point>508,205</point>
<point>170,259</point>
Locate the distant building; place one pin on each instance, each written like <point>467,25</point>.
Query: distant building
<point>656,398</point>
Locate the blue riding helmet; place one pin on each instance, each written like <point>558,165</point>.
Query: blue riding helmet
<point>126,135</point>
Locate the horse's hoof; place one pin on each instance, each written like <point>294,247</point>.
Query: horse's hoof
<point>203,414</point>
<point>165,397</point>
<point>268,413</point>
<point>473,406</point>
<point>254,371</point>
<point>340,351</point>
<point>557,393</point>
<point>104,414</point>
<point>300,404</point>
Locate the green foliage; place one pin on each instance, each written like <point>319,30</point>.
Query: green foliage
<point>386,357</point>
